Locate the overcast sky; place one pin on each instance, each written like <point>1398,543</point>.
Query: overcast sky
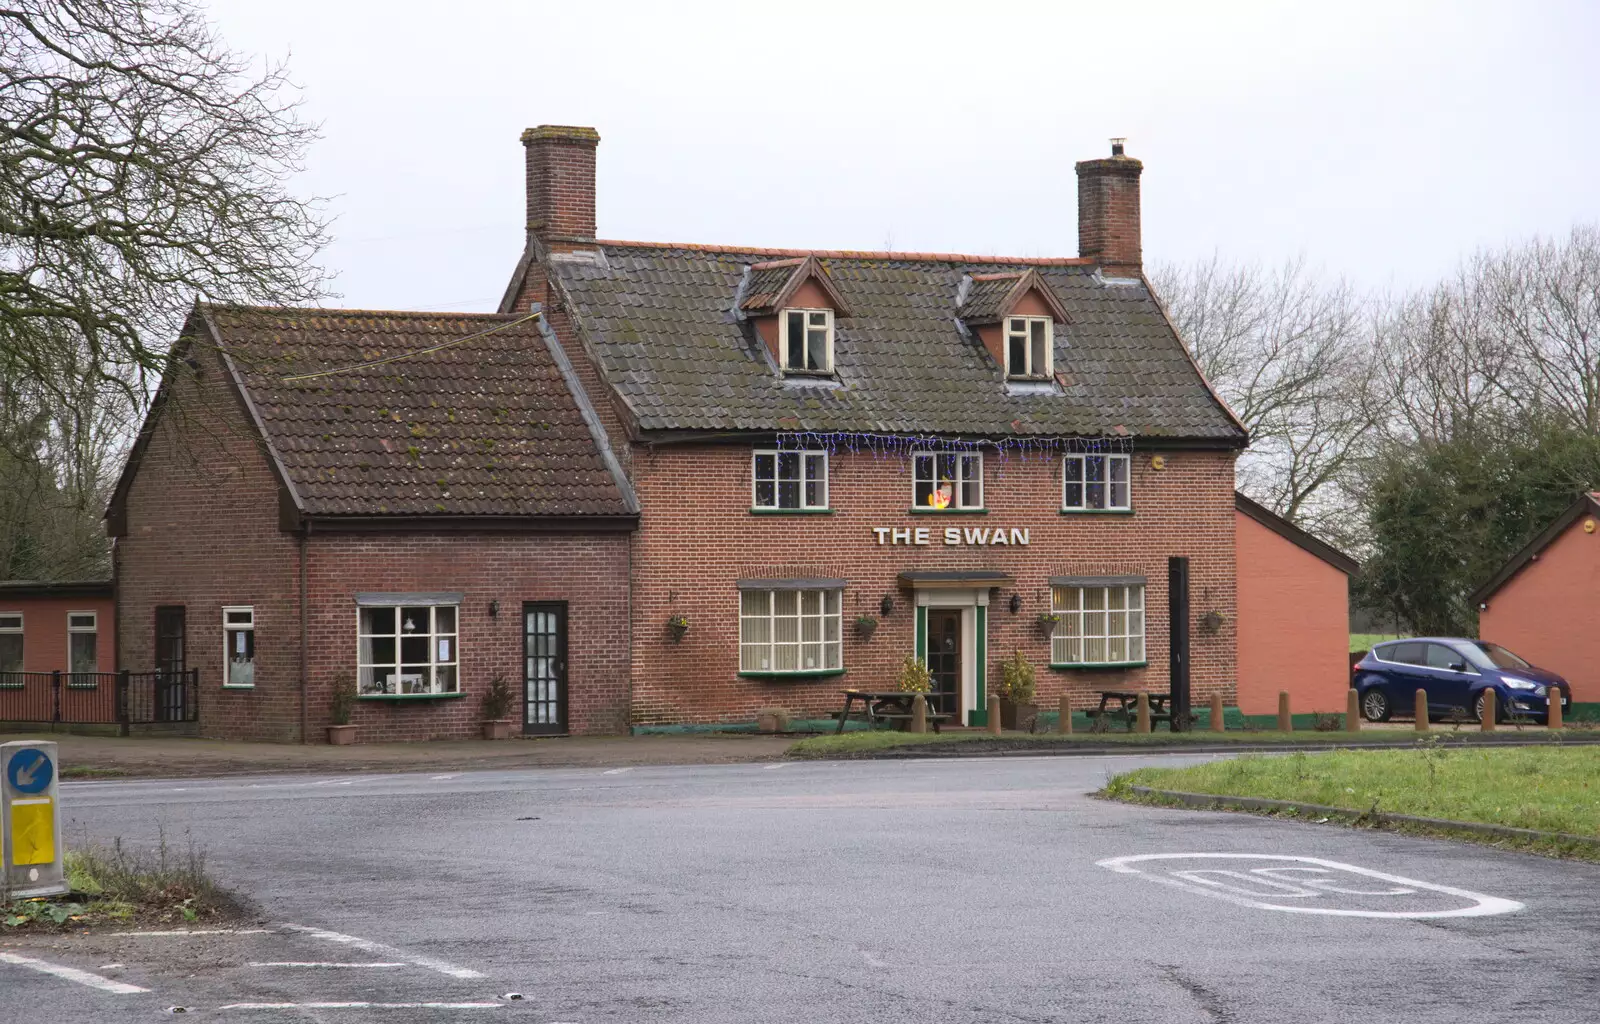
<point>1379,140</point>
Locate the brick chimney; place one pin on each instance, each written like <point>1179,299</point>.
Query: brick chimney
<point>561,185</point>
<point>1108,211</point>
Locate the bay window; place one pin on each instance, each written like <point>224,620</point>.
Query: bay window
<point>784,631</point>
<point>1098,625</point>
<point>407,650</point>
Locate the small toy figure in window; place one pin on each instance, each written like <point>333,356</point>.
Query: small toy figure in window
<point>941,498</point>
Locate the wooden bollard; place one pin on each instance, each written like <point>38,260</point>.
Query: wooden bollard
<point>1064,727</point>
<point>1486,718</point>
<point>1217,723</point>
<point>1285,720</point>
<point>1352,711</point>
<point>1421,711</point>
<point>1554,721</point>
<point>1143,723</point>
<point>994,716</point>
<point>919,713</point>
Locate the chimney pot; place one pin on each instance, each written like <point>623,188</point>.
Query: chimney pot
<point>560,168</point>
<point>1108,211</point>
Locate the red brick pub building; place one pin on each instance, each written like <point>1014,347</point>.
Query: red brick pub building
<point>704,481</point>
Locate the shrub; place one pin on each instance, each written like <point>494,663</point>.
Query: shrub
<point>914,676</point>
<point>1016,680</point>
<point>343,701</point>
<point>497,699</point>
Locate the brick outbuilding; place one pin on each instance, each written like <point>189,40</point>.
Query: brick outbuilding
<point>410,503</point>
<point>1294,614</point>
<point>1541,604</point>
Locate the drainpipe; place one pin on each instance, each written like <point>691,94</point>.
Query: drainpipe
<point>305,533</point>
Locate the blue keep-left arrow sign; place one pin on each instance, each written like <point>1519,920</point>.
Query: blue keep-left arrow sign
<point>30,771</point>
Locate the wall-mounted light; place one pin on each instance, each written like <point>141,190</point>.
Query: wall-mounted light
<point>886,605</point>
<point>1016,602</point>
<point>494,608</point>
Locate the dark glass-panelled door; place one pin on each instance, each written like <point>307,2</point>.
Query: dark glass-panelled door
<point>544,649</point>
<point>169,689</point>
<point>944,659</point>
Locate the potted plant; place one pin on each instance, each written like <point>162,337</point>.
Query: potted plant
<point>914,677</point>
<point>496,706</point>
<point>341,704</point>
<point>677,626</point>
<point>1047,624</point>
<point>866,625</point>
<point>772,720</point>
<point>1017,709</point>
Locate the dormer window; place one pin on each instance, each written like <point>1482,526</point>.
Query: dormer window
<point>807,340</point>
<point>1028,346</point>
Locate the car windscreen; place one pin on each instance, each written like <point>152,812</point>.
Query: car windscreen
<point>1499,657</point>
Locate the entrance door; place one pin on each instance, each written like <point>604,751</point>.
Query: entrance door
<point>944,660</point>
<point>544,680</point>
<point>169,690</point>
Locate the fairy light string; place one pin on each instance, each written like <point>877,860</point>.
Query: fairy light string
<point>901,447</point>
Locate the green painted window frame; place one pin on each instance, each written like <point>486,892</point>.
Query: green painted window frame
<point>1090,666</point>
<point>757,511</point>
<point>411,696</point>
<point>815,673</point>
<point>947,511</point>
<point>1095,512</point>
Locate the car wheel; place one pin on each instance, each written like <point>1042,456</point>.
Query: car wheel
<point>1375,706</point>
<point>1499,706</point>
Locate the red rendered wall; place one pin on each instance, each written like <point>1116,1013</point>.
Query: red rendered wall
<point>1294,624</point>
<point>44,630</point>
<point>1546,613</point>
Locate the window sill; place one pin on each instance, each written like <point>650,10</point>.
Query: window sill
<point>947,511</point>
<point>409,696</point>
<point>1084,666</point>
<point>13,686</point>
<point>83,686</point>
<point>1095,511</point>
<point>238,686</point>
<point>757,511</point>
<point>821,673</point>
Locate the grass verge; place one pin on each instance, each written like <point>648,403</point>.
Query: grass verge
<point>885,743</point>
<point>1548,788</point>
<point>118,886</point>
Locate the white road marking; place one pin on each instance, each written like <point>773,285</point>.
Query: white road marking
<point>774,767</point>
<point>361,1006</point>
<point>616,771</point>
<point>121,988</point>
<point>439,778</point>
<point>323,963</point>
<point>1208,883</point>
<point>110,967</point>
<point>368,946</point>
<point>192,931</point>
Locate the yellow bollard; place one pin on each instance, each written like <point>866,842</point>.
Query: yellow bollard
<point>1352,711</point>
<point>1421,710</point>
<point>1064,727</point>
<point>1486,717</point>
<point>1554,721</point>
<point>1217,723</point>
<point>994,716</point>
<point>919,713</point>
<point>1144,713</point>
<point>1285,720</point>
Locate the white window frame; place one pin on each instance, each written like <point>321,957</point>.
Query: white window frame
<point>1021,326</point>
<point>230,628</point>
<point>828,656</point>
<point>93,629</point>
<point>19,630</point>
<point>783,338</point>
<point>1084,625</point>
<point>393,683</point>
<point>961,478</point>
<point>1074,470</point>
<point>807,460</point>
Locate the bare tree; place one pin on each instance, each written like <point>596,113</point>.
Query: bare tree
<point>142,164</point>
<point>1291,354</point>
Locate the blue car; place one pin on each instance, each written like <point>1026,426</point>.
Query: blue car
<point>1458,676</point>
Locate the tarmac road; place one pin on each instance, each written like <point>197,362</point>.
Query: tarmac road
<point>948,891</point>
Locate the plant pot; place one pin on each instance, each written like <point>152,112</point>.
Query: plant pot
<point>1018,717</point>
<point>497,729</point>
<point>866,627</point>
<point>1047,627</point>
<point>676,631</point>
<point>341,735</point>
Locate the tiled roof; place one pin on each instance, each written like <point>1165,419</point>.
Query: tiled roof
<point>662,320</point>
<point>987,295</point>
<point>486,426</point>
<point>766,281</point>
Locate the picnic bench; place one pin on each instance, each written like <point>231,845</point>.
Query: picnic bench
<point>888,706</point>
<point>1127,706</point>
